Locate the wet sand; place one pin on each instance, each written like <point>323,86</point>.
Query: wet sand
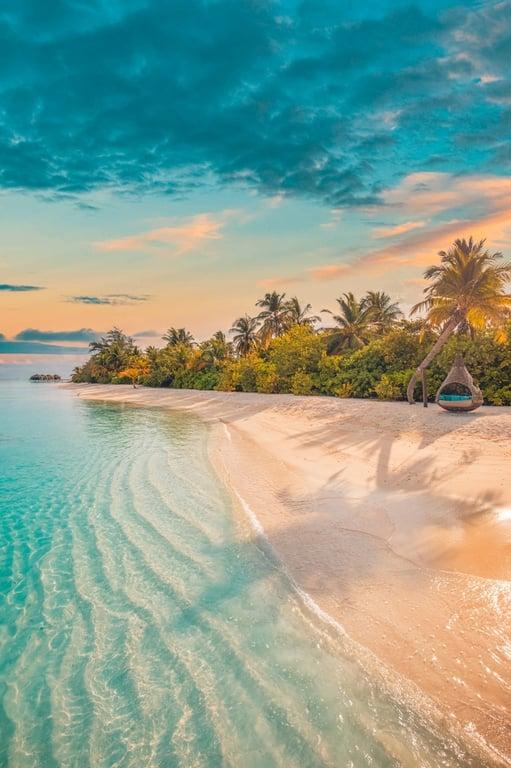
<point>396,520</point>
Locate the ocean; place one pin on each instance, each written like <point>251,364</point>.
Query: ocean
<point>144,623</point>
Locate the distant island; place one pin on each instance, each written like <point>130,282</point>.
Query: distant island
<point>46,377</point>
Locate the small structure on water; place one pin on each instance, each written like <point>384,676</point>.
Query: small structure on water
<point>458,392</point>
<point>46,377</point>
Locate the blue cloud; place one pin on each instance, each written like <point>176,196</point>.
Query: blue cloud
<point>19,288</point>
<point>33,334</point>
<point>303,97</point>
<point>147,334</point>
<point>38,348</point>
<point>110,299</point>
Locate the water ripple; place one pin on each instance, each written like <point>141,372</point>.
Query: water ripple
<point>138,629</point>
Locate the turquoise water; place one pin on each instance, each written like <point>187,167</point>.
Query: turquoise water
<point>141,624</point>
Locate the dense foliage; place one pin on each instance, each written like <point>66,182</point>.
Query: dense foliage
<point>365,354</point>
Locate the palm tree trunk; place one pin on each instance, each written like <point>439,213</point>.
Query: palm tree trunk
<point>433,352</point>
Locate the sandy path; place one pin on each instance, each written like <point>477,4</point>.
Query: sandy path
<point>395,519</point>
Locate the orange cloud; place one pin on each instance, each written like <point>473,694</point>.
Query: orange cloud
<point>485,203</point>
<point>433,193</point>
<point>327,271</point>
<point>181,238</point>
<point>399,229</point>
<point>278,282</point>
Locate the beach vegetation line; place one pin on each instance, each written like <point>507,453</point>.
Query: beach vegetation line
<point>366,348</point>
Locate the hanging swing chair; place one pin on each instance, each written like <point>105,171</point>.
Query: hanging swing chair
<point>458,392</point>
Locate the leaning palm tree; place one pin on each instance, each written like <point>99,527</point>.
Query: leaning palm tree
<point>274,315</point>
<point>300,315</point>
<point>382,312</point>
<point>245,334</point>
<point>175,336</point>
<point>353,325</point>
<point>467,290</point>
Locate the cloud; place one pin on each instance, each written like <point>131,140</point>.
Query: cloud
<point>441,193</point>
<point>334,221</point>
<point>33,334</point>
<point>19,288</point>
<point>275,201</point>
<point>327,271</point>
<point>128,298</point>
<point>147,334</point>
<point>318,98</point>
<point>398,229</point>
<point>459,206</point>
<point>319,273</point>
<point>279,282</point>
<point>115,299</point>
<point>179,238</point>
<point>38,348</point>
<point>455,206</point>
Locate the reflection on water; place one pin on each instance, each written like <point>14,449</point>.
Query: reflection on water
<point>140,625</point>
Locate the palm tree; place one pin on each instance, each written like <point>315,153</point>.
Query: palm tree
<point>175,336</point>
<point>353,325</point>
<point>274,315</point>
<point>381,311</point>
<point>298,315</point>
<point>415,327</point>
<point>220,337</point>
<point>245,334</point>
<point>467,291</point>
<point>114,350</point>
<point>216,349</point>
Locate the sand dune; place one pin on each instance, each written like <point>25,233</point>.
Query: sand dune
<point>396,520</point>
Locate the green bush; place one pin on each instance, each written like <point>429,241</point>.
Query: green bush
<point>362,370</point>
<point>498,396</point>
<point>227,377</point>
<point>244,374</point>
<point>328,374</point>
<point>206,380</point>
<point>302,383</point>
<point>392,386</point>
<point>343,390</point>
<point>267,380</point>
<point>298,349</point>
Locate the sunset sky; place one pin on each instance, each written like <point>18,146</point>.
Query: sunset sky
<point>166,163</point>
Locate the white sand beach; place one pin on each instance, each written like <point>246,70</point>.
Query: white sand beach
<point>396,520</point>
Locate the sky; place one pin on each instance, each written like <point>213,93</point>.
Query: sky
<point>165,163</point>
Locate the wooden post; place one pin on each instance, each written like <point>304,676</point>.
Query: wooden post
<point>424,389</point>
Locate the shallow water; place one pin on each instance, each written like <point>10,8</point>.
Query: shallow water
<point>141,625</point>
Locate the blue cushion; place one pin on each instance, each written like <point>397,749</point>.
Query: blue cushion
<point>455,397</point>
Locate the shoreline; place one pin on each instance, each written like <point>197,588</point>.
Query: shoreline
<point>394,521</point>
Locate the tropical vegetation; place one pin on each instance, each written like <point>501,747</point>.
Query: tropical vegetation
<point>366,348</point>
<point>467,292</point>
